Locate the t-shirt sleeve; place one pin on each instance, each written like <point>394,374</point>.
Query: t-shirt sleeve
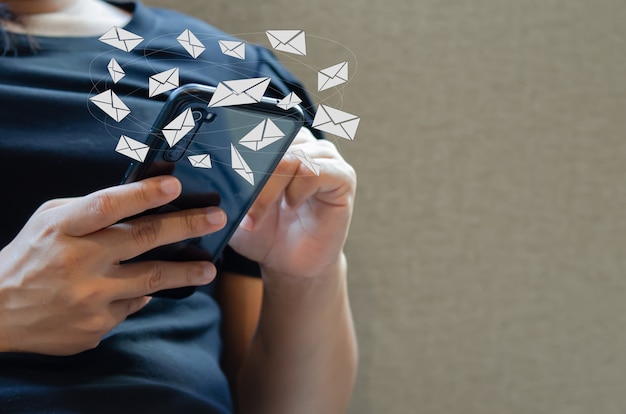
<point>284,82</point>
<point>233,262</point>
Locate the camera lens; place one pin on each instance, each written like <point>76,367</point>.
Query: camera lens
<point>173,154</point>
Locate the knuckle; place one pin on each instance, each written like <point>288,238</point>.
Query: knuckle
<point>143,194</point>
<point>81,300</point>
<point>285,165</point>
<point>98,325</point>
<point>324,143</point>
<point>289,166</point>
<point>66,261</point>
<point>49,224</point>
<point>48,205</point>
<point>352,177</point>
<point>146,231</point>
<point>155,278</point>
<point>93,343</point>
<point>190,222</point>
<point>101,204</point>
<point>261,204</point>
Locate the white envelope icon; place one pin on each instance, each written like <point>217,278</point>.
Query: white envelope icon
<point>163,82</point>
<point>240,166</point>
<point>289,101</point>
<point>121,39</point>
<point>179,127</point>
<point>239,92</point>
<point>132,148</point>
<point>115,70</point>
<point>200,160</point>
<point>336,122</point>
<point>232,48</point>
<point>111,104</point>
<point>307,161</point>
<point>290,41</point>
<point>262,135</point>
<point>332,76</point>
<point>191,43</point>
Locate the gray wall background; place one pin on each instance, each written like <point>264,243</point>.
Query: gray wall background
<point>488,248</point>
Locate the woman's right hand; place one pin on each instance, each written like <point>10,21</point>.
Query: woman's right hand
<point>62,287</point>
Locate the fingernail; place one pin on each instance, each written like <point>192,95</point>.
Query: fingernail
<point>205,274</point>
<point>216,216</point>
<point>170,185</point>
<point>247,223</point>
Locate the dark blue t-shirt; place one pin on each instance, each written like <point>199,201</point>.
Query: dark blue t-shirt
<point>55,143</point>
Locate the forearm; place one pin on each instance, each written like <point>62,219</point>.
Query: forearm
<point>303,357</point>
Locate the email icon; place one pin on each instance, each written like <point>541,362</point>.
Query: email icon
<point>121,39</point>
<point>290,41</point>
<point>307,161</point>
<point>115,70</point>
<point>240,166</point>
<point>132,148</point>
<point>200,160</point>
<point>336,122</point>
<point>163,82</point>
<point>239,92</point>
<point>332,76</point>
<point>111,104</point>
<point>262,135</point>
<point>191,43</point>
<point>234,49</point>
<point>179,127</point>
<point>289,101</point>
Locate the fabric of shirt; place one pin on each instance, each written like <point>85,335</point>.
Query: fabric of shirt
<point>55,143</point>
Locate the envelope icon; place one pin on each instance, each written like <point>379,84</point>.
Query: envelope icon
<point>233,48</point>
<point>290,41</point>
<point>132,148</point>
<point>240,166</point>
<point>111,104</point>
<point>179,127</point>
<point>307,161</point>
<point>239,92</point>
<point>332,76</point>
<point>200,160</point>
<point>336,122</point>
<point>121,39</point>
<point>163,82</point>
<point>289,101</point>
<point>115,70</point>
<point>191,43</point>
<point>262,135</point>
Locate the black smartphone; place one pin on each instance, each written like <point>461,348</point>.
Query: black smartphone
<point>222,155</point>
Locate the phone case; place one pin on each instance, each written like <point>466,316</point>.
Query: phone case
<point>224,158</point>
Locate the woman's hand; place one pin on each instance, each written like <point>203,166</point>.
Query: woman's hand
<point>298,225</point>
<point>62,287</point>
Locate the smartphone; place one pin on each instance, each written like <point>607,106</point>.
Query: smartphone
<point>224,159</point>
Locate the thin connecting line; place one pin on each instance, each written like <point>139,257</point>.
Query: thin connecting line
<point>176,56</point>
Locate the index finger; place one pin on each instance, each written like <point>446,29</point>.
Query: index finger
<point>303,135</point>
<point>106,207</point>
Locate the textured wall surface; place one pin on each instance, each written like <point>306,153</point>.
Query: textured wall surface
<point>488,250</point>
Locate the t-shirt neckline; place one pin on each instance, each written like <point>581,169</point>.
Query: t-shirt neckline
<point>139,22</point>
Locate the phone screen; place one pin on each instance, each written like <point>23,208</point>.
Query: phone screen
<point>224,160</point>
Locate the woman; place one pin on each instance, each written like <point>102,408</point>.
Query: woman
<point>78,330</point>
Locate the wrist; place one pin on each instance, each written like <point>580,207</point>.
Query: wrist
<point>290,291</point>
<point>332,269</point>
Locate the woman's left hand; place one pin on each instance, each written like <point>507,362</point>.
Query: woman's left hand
<point>299,223</point>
